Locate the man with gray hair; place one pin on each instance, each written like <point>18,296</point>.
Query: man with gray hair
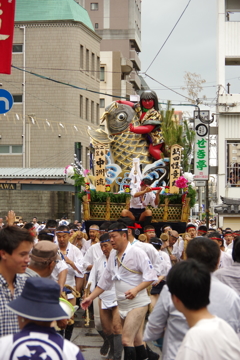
<point>44,257</point>
<point>59,273</point>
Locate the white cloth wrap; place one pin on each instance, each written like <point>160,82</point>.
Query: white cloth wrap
<point>126,305</point>
<point>108,299</point>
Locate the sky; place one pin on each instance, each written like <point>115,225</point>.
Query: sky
<point>190,48</point>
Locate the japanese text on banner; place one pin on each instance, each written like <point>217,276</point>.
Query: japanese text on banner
<point>175,164</point>
<point>100,151</point>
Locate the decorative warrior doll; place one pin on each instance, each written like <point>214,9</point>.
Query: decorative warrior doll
<point>150,120</point>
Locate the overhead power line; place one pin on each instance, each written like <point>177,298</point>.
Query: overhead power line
<point>67,84</point>
<point>150,77</point>
<point>168,35</point>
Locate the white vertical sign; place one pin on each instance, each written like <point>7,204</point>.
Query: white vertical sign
<point>201,152</point>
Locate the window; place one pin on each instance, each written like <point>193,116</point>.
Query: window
<point>11,149</point>
<point>96,25</point>
<point>233,163</point>
<point>81,107</point>
<point>94,6</point>
<point>92,111</point>
<point>98,67</point>
<point>16,149</point>
<point>81,57</point>
<point>97,114</point>
<point>17,48</point>
<point>102,73</point>
<point>87,60</point>
<point>4,149</point>
<point>102,103</point>
<point>87,110</point>
<point>93,64</point>
<point>17,98</point>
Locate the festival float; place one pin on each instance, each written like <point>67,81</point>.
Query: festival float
<point>140,142</point>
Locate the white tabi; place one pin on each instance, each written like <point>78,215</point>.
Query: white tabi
<point>134,259</point>
<point>108,297</point>
<point>92,254</point>
<point>75,255</point>
<point>158,262</point>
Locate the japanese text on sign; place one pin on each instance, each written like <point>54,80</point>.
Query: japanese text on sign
<point>100,151</point>
<point>175,164</point>
<point>201,162</point>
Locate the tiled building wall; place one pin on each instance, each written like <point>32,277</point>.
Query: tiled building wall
<point>52,50</point>
<point>42,204</point>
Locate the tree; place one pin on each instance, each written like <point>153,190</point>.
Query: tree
<point>173,133</point>
<point>193,85</point>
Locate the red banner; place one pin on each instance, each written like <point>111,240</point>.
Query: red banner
<point>7,11</point>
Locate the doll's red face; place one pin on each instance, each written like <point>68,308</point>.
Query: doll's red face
<point>148,104</point>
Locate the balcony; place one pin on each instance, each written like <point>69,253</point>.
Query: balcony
<point>135,80</point>
<point>126,66</point>
<point>135,59</point>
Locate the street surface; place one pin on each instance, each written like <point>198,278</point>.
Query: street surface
<point>88,339</point>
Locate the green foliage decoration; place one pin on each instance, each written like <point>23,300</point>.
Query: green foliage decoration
<point>173,133</point>
<point>79,179</point>
<point>100,196</point>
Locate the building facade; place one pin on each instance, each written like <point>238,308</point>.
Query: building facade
<point>57,97</point>
<point>55,84</point>
<point>118,23</point>
<point>229,113</point>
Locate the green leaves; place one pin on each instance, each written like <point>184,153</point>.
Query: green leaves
<point>192,195</point>
<point>79,179</point>
<point>173,133</point>
<point>100,196</point>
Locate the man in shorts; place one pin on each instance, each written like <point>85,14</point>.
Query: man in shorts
<point>142,196</point>
<point>130,269</point>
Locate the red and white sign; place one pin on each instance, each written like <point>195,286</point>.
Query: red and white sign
<point>7,12</point>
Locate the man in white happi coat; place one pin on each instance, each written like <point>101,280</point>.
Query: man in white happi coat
<point>174,246</point>
<point>109,314</point>
<point>94,251</point>
<point>130,269</point>
<point>142,196</point>
<point>231,275</point>
<point>94,233</point>
<point>158,262</point>
<point>73,258</point>
<point>167,322</point>
<point>225,258</point>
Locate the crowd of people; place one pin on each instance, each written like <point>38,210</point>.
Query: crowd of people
<point>180,291</point>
